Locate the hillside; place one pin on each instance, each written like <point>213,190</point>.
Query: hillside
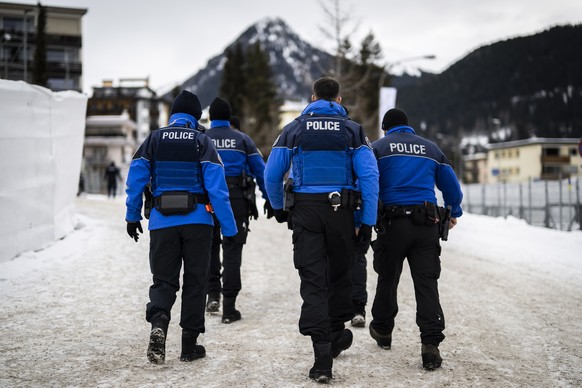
<point>295,63</point>
<point>531,84</point>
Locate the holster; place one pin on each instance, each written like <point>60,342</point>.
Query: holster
<point>289,195</point>
<point>148,202</point>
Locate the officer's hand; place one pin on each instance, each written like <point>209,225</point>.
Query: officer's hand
<point>281,215</point>
<point>453,222</point>
<point>268,209</point>
<point>364,238</point>
<point>132,228</point>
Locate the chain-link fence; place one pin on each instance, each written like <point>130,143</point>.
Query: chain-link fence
<point>553,204</point>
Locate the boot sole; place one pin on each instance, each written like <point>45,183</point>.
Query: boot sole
<point>230,319</point>
<point>192,357</point>
<point>212,307</point>
<point>157,347</point>
<point>321,377</point>
<point>359,321</point>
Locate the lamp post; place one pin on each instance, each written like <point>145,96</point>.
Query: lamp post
<point>387,95</point>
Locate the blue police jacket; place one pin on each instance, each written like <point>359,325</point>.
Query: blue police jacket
<point>410,167</point>
<point>238,152</point>
<point>179,158</point>
<point>326,152</point>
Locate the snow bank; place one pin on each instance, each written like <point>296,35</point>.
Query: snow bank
<point>41,145</point>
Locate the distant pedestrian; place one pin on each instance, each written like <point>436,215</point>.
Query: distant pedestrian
<point>410,167</point>
<point>188,185</point>
<point>326,154</point>
<point>112,175</point>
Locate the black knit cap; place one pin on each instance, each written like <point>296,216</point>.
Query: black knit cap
<point>219,109</point>
<point>187,102</point>
<point>393,118</point>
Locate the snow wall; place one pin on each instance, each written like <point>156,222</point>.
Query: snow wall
<point>41,146</point>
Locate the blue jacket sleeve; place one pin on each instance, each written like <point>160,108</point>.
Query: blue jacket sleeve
<point>277,166</point>
<point>215,185</point>
<point>448,184</point>
<point>137,179</point>
<point>366,169</point>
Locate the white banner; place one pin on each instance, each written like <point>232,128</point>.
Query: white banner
<point>41,146</point>
<point>387,101</point>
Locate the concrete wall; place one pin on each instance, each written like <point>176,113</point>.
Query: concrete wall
<point>41,143</point>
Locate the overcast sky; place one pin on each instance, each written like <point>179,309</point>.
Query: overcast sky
<point>171,40</point>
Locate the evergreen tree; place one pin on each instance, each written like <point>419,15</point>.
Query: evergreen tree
<point>247,85</point>
<point>233,83</point>
<point>40,74</point>
<point>260,99</point>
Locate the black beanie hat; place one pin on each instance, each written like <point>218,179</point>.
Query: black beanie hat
<point>187,102</point>
<point>393,118</point>
<point>219,109</point>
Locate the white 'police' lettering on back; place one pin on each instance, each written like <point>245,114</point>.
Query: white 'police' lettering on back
<point>323,125</point>
<point>224,143</point>
<point>416,149</point>
<point>175,135</point>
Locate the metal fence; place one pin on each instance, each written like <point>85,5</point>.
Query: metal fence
<point>553,204</point>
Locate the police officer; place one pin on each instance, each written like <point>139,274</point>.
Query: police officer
<point>186,174</point>
<point>410,167</point>
<point>327,154</point>
<point>243,164</point>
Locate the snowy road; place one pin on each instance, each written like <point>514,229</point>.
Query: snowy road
<point>73,314</point>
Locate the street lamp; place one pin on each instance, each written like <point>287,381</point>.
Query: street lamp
<point>387,95</point>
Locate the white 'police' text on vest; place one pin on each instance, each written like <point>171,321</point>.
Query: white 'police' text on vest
<point>323,125</point>
<point>224,143</point>
<point>175,135</point>
<point>416,149</point>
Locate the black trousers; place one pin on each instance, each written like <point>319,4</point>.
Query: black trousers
<point>323,254</point>
<point>420,244</point>
<point>359,280</point>
<point>169,248</point>
<point>231,253</point>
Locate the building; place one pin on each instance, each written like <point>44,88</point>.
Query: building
<point>64,42</point>
<point>108,138</point>
<point>534,158</point>
<point>133,95</point>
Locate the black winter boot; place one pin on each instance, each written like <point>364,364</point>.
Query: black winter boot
<point>383,340</point>
<point>190,350</point>
<point>321,370</point>
<point>157,345</point>
<point>359,319</point>
<point>340,341</point>
<point>213,303</point>
<point>229,313</point>
<point>431,357</point>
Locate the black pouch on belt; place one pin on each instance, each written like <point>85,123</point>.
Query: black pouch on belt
<point>175,202</point>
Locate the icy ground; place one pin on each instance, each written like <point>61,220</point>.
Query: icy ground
<point>72,314</point>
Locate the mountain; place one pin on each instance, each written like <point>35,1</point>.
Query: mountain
<point>294,62</point>
<point>524,86</point>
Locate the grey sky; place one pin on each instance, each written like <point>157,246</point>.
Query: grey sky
<point>170,40</point>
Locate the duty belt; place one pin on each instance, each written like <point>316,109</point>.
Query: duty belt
<point>199,198</point>
<point>233,182</point>
<point>393,211</point>
<point>345,198</point>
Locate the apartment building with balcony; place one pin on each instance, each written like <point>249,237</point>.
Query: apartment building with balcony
<point>535,158</point>
<point>64,42</point>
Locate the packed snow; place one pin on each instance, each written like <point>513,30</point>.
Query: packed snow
<point>73,314</point>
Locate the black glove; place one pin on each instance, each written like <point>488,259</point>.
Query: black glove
<point>364,238</point>
<point>132,228</point>
<point>268,209</point>
<point>281,215</point>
